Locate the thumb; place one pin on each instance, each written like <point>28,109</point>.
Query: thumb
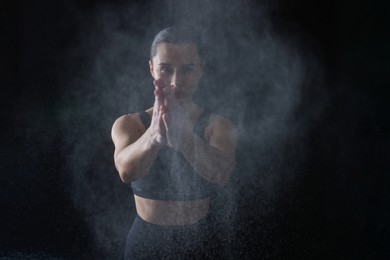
<point>165,119</point>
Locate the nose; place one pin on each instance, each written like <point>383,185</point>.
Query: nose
<point>176,80</point>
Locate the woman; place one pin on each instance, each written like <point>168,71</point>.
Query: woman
<point>176,155</point>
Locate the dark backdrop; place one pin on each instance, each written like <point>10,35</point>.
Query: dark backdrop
<point>336,206</point>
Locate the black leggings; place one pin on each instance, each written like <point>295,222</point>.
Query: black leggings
<point>150,241</point>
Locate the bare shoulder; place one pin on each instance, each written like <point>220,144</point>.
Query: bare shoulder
<point>220,121</point>
<point>222,132</point>
<point>127,127</point>
<point>126,122</point>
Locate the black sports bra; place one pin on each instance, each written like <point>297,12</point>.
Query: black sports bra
<point>171,177</point>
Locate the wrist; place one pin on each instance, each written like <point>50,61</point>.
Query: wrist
<point>152,140</point>
<point>186,142</point>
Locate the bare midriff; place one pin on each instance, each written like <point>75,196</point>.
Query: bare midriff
<point>171,212</point>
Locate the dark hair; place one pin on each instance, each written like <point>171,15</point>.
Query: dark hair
<point>177,35</point>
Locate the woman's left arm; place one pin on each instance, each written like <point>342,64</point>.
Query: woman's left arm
<point>213,159</point>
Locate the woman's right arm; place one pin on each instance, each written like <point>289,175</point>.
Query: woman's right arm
<point>135,148</point>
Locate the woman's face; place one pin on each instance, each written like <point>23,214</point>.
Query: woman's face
<point>180,67</point>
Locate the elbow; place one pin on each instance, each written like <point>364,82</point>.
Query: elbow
<point>123,174</point>
<point>222,182</point>
<point>226,173</point>
<point>128,172</point>
<point>124,171</point>
<point>223,179</point>
<point>220,170</point>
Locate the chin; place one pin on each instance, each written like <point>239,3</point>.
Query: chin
<point>180,95</point>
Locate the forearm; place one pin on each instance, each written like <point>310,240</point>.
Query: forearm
<point>135,160</point>
<point>209,162</point>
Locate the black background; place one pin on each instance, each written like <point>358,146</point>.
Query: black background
<point>339,208</point>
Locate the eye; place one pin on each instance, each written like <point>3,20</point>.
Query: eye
<point>165,70</point>
<point>187,69</point>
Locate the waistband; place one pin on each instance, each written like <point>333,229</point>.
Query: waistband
<point>205,221</point>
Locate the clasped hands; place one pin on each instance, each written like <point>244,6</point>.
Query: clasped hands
<point>169,125</point>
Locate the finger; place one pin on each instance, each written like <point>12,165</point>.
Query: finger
<point>166,102</point>
<point>159,83</point>
<point>156,105</point>
<point>161,111</point>
<point>159,118</point>
<point>159,98</point>
<point>165,119</point>
<point>162,126</point>
<point>167,96</point>
<point>158,86</point>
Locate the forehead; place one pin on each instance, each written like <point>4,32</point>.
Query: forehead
<point>176,53</point>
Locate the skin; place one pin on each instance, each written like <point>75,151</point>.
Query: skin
<point>176,70</point>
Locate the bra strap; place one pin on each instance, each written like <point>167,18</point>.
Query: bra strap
<point>202,123</point>
<point>145,118</point>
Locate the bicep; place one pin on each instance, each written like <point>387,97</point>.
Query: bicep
<point>224,136</point>
<point>125,131</point>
